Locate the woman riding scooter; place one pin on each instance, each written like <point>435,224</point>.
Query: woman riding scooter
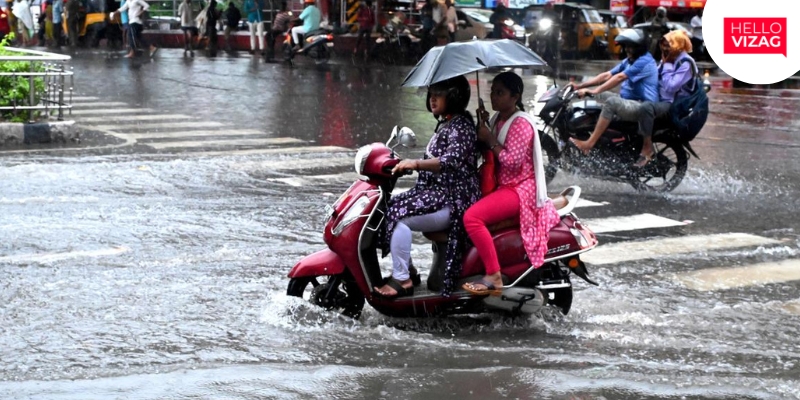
<point>447,185</point>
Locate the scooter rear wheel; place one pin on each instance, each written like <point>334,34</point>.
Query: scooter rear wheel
<point>337,294</point>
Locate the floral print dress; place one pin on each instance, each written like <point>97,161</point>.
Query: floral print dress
<point>515,170</point>
<point>456,185</point>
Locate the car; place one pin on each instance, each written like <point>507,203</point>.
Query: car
<point>672,26</point>
<point>483,16</point>
<point>469,28</point>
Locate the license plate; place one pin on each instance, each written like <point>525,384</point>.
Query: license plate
<point>329,44</point>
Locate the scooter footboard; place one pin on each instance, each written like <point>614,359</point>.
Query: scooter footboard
<point>323,262</point>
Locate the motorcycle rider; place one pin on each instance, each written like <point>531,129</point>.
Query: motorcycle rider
<point>497,19</point>
<point>656,30</point>
<point>446,186</point>
<point>675,46</point>
<point>638,75</point>
<point>311,17</point>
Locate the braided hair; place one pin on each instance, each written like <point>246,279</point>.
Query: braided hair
<point>513,83</point>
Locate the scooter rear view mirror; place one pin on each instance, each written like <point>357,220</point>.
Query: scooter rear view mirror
<point>407,137</point>
<point>392,136</point>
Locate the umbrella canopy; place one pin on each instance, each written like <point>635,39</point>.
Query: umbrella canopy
<point>461,58</point>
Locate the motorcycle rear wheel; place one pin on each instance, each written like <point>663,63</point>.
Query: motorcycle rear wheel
<point>666,171</point>
<point>345,298</point>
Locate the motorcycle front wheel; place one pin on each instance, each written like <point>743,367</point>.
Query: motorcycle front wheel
<point>667,169</point>
<point>550,157</point>
<point>337,294</point>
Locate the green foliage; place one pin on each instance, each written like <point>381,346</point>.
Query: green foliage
<point>15,89</point>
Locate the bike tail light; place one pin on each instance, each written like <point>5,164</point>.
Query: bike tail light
<point>352,214</point>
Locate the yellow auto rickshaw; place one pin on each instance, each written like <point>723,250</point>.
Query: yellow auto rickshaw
<point>580,28</point>
<point>616,23</point>
<point>95,24</point>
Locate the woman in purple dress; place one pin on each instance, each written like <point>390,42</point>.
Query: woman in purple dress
<point>447,185</point>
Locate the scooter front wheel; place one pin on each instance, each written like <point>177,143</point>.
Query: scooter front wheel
<point>337,294</point>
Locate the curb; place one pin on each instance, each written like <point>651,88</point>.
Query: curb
<point>14,134</point>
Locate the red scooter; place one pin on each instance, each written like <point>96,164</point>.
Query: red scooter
<point>342,276</point>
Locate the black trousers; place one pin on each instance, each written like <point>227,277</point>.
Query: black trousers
<point>366,34</point>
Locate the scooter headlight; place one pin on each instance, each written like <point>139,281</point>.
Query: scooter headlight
<point>352,214</point>
<point>545,24</point>
<point>509,22</point>
<point>361,159</point>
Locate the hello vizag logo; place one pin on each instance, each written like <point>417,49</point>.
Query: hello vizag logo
<point>755,36</point>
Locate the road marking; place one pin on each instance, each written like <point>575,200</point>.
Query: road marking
<point>279,150</point>
<point>288,165</point>
<point>134,117</point>
<point>181,134</point>
<point>630,223</point>
<point>222,143</point>
<point>166,125</point>
<point>76,99</point>
<point>51,257</point>
<point>313,180</point>
<point>588,203</point>
<point>104,104</point>
<point>749,275</point>
<point>629,251</point>
<point>104,111</point>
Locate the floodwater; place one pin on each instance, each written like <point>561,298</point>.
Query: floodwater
<point>142,275</point>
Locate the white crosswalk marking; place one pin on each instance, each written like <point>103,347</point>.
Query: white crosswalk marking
<point>147,117</point>
<point>76,99</point>
<point>631,222</point>
<point>166,125</point>
<point>104,104</point>
<point>105,111</point>
<point>198,133</point>
<point>729,278</point>
<point>223,143</point>
<point>650,249</point>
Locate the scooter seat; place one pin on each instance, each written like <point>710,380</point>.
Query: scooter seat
<point>559,201</point>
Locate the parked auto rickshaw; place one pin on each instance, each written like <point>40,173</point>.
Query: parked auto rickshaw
<point>615,23</point>
<point>581,30</point>
<point>96,24</point>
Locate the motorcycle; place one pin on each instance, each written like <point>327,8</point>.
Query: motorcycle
<point>342,276</point>
<point>546,42</point>
<point>316,46</point>
<point>396,42</point>
<point>619,147</point>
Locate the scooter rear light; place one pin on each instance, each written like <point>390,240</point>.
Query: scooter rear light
<point>578,235</point>
<point>330,37</point>
<point>352,214</point>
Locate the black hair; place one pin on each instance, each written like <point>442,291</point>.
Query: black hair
<point>457,100</point>
<point>513,83</point>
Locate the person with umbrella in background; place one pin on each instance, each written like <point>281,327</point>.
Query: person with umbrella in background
<point>447,185</point>
<point>521,193</point>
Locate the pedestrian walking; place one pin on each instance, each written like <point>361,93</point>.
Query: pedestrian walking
<point>73,21</point>
<point>256,24</point>
<point>232,17</point>
<point>58,19</point>
<point>136,9</point>
<point>451,19</point>
<point>187,26</point>
<point>22,12</point>
<point>212,16</point>
<point>366,23</point>
<point>279,27</point>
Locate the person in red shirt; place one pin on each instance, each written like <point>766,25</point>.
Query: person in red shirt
<point>366,23</point>
<point>5,27</point>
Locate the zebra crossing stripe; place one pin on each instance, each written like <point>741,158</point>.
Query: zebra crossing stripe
<point>792,306</point>
<point>105,111</point>
<point>296,164</point>
<point>146,117</point>
<point>311,180</point>
<point>77,99</point>
<point>51,257</point>
<point>165,125</point>
<point>749,275</point>
<point>222,143</point>
<point>104,104</point>
<point>630,223</point>
<point>629,251</point>
<point>279,150</point>
<point>193,133</point>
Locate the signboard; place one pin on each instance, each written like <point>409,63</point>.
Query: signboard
<point>620,6</point>
<point>672,3</point>
<point>524,3</point>
<point>468,3</point>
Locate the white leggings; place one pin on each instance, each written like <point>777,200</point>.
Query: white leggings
<point>400,245</point>
<point>256,27</point>
<point>296,32</point>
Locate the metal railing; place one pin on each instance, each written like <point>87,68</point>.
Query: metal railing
<point>50,69</point>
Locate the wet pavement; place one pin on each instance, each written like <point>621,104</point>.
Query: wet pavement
<point>150,261</point>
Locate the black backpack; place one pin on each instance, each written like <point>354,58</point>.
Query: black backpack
<point>690,113</point>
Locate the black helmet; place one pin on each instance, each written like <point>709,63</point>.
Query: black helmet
<point>458,93</point>
<point>630,36</point>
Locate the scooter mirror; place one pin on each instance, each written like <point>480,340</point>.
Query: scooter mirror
<point>392,136</point>
<point>407,138</point>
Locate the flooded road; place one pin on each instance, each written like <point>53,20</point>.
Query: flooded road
<point>158,271</point>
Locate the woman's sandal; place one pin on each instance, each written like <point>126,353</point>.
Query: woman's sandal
<point>398,287</point>
<point>643,161</point>
<point>416,278</point>
<point>490,290</point>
